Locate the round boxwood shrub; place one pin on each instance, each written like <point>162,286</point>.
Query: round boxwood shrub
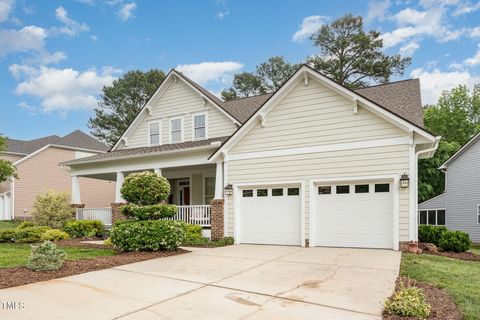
<point>46,257</point>
<point>54,235</point>
<point>84,228</point>
<point>150,212</point>
<point>145,188</point>
<point>430,234</point>
<point>149,235</point>
<point>456,241</point>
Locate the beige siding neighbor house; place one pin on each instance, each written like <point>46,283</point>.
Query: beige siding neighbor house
<point>37,162</point>
<point>313,164</point>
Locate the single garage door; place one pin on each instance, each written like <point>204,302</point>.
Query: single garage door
<point>270,215</point>
<point>354,215</point>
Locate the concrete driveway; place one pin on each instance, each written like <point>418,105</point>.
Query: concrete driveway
<point>236,282</point>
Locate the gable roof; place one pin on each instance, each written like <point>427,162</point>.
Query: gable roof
<point>75,139</point>
<point>462,150</point>
<point>355,97</point>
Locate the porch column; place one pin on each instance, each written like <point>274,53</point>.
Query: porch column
<point>118,187</point>
<point>76,198</point>
<point>219,181</point>
<point>158,171</point>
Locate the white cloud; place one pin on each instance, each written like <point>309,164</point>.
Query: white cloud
<point>378,10</point>
<point>126,11</point>
<point>94,38</point>
<point>62,90</point>
<point>474,32</point>
<point>26,39</point>
<point>6,7</point>
<point>222,14</point>
<point>309,26</point>
<point>466,8</point>
<point>409,48</point>
<point>72,27</point>
<point>435,81</point>
<point>210,71</point>
<point>28,108</point>
<point>475,60</point>
<point>431,22</point>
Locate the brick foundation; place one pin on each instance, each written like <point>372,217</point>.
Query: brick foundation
<point>116,214</point>
<point>217,222</point>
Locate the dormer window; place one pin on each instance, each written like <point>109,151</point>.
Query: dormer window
<point>200,126</point>
<point>154,133</point>
<point>176,134</point>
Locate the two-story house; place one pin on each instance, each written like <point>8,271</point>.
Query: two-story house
<point>314,163</point>
<point>458,207</point>
<point>38,171</point>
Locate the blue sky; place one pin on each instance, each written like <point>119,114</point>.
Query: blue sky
<point>55,56</point>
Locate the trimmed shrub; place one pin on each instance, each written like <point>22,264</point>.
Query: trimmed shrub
<point>84,228</point>
<point>52,209</point>
<point>30,234</point>
<point>456,241</point>
<point>26,224</point>
<point>54,235</point>
<point>8,235</point>
<point>150,235</point>
<point>145,188</point>
<point>193,233</point>
<point>408,302</point>
<point>46,257</point>
<point>430,234</point>
<point>150,212</point>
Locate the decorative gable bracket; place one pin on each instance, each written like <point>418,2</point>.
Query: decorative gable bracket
<point>263,121</point>
<point>355,106</point>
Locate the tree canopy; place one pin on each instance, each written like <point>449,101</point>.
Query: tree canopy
<point>120,103</point>
<point>456,117</point>
<point>7,169</point>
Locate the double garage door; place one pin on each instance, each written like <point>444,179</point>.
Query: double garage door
<point>356,214</point>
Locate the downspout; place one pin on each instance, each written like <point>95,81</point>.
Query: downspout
<point>417,154</point>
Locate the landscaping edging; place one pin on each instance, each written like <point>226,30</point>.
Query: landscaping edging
<point>12,277</point>
<point>442,305</point>
<point>467,256</point>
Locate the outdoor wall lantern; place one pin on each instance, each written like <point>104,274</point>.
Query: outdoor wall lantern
<point>404,181</point>
<point>228,189</point>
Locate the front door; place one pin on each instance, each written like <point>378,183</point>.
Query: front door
<point>183,192</point>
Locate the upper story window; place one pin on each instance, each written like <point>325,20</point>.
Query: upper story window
<point>200,126</point>
<point>176,130</point>
<point>154,133</point>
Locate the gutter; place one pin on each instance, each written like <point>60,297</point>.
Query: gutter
<point>417,154</point>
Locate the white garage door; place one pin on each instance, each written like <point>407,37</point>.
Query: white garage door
<point>270,215</point>
<point>354,215</point>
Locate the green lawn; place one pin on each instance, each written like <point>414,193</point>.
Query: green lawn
<point>9,224</point>
<point>15,255</point>
<point>460,278</point>
<point>475,248</point>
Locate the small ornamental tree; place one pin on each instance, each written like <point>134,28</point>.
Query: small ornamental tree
<point>145,188</point>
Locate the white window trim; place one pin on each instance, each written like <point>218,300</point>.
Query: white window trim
<point>182,130</point>
<point>478,213</point>
<point>193,125</point>
<point>436,216</point>
<point>159,133</point>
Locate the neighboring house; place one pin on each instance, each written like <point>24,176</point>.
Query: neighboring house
<point>312,164</point>
<point>37,162</point>
<point>458,207</point>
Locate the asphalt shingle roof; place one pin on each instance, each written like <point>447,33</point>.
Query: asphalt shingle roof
<point>125,153</point>
<point>75,139</point>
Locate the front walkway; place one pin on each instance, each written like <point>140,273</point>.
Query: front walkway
<point>236,282</point>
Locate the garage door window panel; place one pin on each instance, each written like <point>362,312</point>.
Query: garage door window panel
<point>362,188</point>
<point>382,187</point>
<point>293,191</point>
<point>325,190</point>
<point>343,189</point>
<point>277,192</point>
<point>247,193</point>
<point>262,192</point>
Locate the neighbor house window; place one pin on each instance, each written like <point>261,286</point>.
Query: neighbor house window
<point>209,189</point>
<point>176,130</point>
<point>199,126</point>
<point>435,217</point>
<point>154,133</point>
<point>478,214</point>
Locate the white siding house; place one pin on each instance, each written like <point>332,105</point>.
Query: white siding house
<point>312,164</point>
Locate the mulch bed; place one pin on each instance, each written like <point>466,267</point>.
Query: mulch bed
<point>442,305</point>
<point>12,277</point>
<point>468,256</point>
<point>77,242</point>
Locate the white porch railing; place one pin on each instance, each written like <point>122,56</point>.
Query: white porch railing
<point>194,214</point>
<point>102,214</point>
